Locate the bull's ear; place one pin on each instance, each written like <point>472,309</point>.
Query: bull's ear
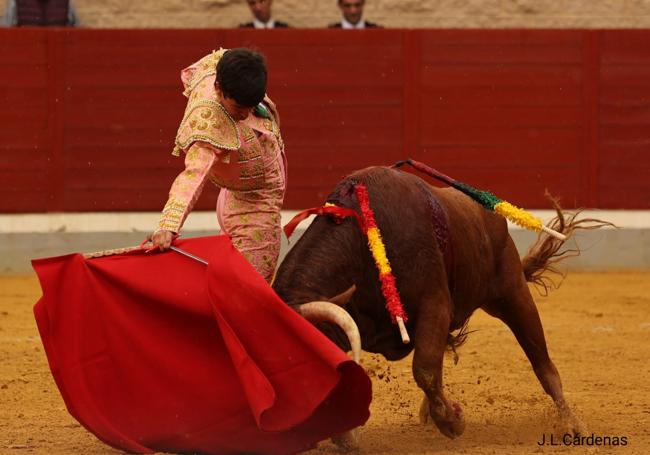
<point>344,297</point>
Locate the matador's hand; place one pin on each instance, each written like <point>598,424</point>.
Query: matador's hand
<point>161,239</point>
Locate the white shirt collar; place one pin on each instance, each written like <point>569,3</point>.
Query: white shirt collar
<point>347,25</point>
<point>259,24</point>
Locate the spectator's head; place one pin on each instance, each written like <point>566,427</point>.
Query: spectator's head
<point>261,9</point>
<point>241,81</point>
<point>352,10</point>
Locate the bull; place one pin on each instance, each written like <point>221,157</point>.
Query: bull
<point>449,257</point>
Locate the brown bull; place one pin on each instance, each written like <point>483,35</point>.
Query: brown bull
<point>449,256</point>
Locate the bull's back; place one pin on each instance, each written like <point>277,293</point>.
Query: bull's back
<point>401,204</point>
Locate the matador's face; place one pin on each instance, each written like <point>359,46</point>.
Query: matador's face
<point>234,109</point>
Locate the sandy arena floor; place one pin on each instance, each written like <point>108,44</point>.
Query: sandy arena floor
<point>598,331</point>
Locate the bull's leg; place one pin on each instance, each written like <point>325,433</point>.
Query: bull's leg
<point>518,311</point>
<point>430,341</point>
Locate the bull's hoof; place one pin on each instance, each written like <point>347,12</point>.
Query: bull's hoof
<point>452,429</point>
<point>348,441</point>
<point>570,424</point>
<point>452,422</point>
<point>448,417</point>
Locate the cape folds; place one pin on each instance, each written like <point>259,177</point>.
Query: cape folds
<point>157,352</point>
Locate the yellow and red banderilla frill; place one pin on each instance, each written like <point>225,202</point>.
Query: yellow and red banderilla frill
<point>377,248</point>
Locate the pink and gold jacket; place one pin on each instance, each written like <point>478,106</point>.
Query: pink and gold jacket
<point>245,159</point>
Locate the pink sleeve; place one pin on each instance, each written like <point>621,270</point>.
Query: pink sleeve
<point>187,187</point>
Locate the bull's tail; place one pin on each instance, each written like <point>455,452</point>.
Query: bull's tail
<point>547,251</point>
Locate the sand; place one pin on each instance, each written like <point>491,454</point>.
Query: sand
<point>598,331</point>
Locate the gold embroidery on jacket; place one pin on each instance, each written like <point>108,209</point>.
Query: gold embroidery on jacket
<point>221,131</point>
<point>172,215</point>
<point>207,67</point>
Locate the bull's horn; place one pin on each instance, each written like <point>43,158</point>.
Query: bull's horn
<point>326,311</point>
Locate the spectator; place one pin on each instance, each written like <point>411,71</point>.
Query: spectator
<point>40,13</point>
<point>353,16</point>
<point>261,10</point>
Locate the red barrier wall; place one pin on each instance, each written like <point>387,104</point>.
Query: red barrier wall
<point>88,117</point>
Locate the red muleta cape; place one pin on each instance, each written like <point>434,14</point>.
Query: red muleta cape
<point>157,352</point>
